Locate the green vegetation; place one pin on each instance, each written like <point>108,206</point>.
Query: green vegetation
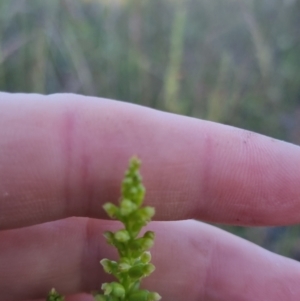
<point>134,262</point>
<point>54,296</point>
<point>233,61</point>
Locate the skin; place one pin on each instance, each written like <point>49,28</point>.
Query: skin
<point>63,156</point>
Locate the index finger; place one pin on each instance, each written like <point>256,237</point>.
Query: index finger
<point>65,155</point>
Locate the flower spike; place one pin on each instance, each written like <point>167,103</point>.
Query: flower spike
<point>134,263</point>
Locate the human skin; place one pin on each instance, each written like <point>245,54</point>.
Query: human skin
<point>63,156</point>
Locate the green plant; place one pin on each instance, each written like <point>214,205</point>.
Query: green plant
<point>134,262</point>
<point>55,296</point>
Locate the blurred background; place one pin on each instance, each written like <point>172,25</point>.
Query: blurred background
<point>236,62</point>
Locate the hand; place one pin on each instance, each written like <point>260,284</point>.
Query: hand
<point>64,155</point>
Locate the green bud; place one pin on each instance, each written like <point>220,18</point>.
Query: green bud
<point>128,181</point>
<point>141,295</point>
<point>127,207</point>
<point>54,296</point>
<point>137,271</point>
<point>132,187</point>
<point>146,213</point>
<point>124,267</point>
<point>113,289</point>
<point>146,257</point>
<point>107,288</point>
<point>140,245</point>
<point>136,247</point>
<point>122,236</point>
<point>153,297</point>
<point>124,264</point>
<point>149,234</point>
<point>148,269</point>
<point>133,190</point>
<point>111,210</point>
<point>141,270</point>
<point>109,237</point>
<point>138,195</point>
<point>147,243</point>
<point>109,266</point>
<point>135,227</point>
<point>118,290</point>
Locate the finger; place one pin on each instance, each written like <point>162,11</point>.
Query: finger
<point>193,262</point>
<point>65,155</point>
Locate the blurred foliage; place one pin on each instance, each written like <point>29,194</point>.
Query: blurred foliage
<point>235,62</point>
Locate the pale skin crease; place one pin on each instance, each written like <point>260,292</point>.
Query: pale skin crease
<point>64,155</point>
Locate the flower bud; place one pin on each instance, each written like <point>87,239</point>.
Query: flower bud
<point>111,210</point>
<point>118,290</point>
<point>153,297</point>
<point>133,190</point>
<point>138,195</point>
<point>137,271</point>
<point>108,265</point>
<point>147,213</point>
<point>140,245</point>
<point>149,234</point>
<point>54,296</point>
<point>146,257</point>
<point>107,288</point>
<point>127,207</point>
<point>148,269</point>
<point>124,267</point>
<point>135,228</point>
<point>147,243</point>
<point>127,182</point>
<point>141,295</point>
<point>109,237</point>
<point>122,236</point>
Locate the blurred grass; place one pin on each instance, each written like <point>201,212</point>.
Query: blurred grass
<point>235,62</point>
<point>173,70</point>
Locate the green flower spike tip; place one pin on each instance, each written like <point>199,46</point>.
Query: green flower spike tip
<point>134,262</point>
<point>54,296</point>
